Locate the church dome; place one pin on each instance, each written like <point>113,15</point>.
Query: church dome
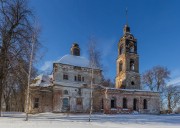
<point>74,61</point>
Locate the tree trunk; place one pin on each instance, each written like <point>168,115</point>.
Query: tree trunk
<point>169,103</point>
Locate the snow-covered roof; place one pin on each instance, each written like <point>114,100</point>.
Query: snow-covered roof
<point>42,80</point>
<point>74,60</point>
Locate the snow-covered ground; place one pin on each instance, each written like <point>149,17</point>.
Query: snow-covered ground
<point>49,120</point>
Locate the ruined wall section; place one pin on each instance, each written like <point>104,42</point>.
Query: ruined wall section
<point>102,101</point>
<point>45,99</point>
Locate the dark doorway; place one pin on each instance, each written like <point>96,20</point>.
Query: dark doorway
<point>65,104</point>
<point>135,104</point>
<point>124,103</point>
<point>113,103</point>
<point>102,104</point>
<point>145,104</point>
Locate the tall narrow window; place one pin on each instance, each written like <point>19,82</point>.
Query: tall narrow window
<point>36,103</point>
<point>79,91</point>
<point>144,104</point>
<point>121,50</point>
<point>135,104</point>
<point>75,78</point>
<point>79,77</point>
<point>113,103</point>
<point>132,65</point>
<point>131,48</point>
<point>102,104</point>
<point>120,66</point>
<point>124,103</point>
<point>65,103</point>
<point>65,77</point>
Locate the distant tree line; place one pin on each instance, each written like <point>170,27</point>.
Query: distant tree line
<point>156,79</point>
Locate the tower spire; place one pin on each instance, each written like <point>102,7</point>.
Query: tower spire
<point>126,16</point>
<point>126,27</point>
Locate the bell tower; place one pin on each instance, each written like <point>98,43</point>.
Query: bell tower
<point>127,64</point>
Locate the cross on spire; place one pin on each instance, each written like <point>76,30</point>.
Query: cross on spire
<point>126,16</point>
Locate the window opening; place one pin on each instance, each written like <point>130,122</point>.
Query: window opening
<point>124,103</point>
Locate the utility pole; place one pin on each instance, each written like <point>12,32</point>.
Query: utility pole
<point>29,78</point>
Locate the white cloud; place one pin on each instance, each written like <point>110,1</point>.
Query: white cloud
<point>174,81</point>
<point>175,77</point>
<point>47,66</point>
<point>108,48</point>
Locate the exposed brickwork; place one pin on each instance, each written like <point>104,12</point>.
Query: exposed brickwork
<point>107,94</point>
<point>45,99</point>
<point>57,94</point>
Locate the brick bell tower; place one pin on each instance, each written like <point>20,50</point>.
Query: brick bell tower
<point>127,65</point>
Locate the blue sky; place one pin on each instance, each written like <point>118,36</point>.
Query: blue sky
<point>155,24</point>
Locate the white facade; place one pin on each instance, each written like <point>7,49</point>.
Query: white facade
<point>73,80</point>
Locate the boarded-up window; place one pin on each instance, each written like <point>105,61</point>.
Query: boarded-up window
<point>79,101</point>
<point>36,102</point>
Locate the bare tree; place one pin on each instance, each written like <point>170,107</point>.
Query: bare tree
<point>155,78</point>
<point>107,83</point>
<point>16,30</point>
<point>94,62</point>
<point>94,53</point>
<point>172,94</point>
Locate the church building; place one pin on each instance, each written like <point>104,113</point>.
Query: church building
<point>68,89</point>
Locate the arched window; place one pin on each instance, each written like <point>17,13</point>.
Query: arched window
<point>124,103</point>
<point>65,92</point>
<point>135,104</point>
<point>131,49</point>
<point>121,50</point>
<point>132,65</point>
<point>120,66</point>
<point>132,83</point>
<point>144,104</point>
<point>113,102</point>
